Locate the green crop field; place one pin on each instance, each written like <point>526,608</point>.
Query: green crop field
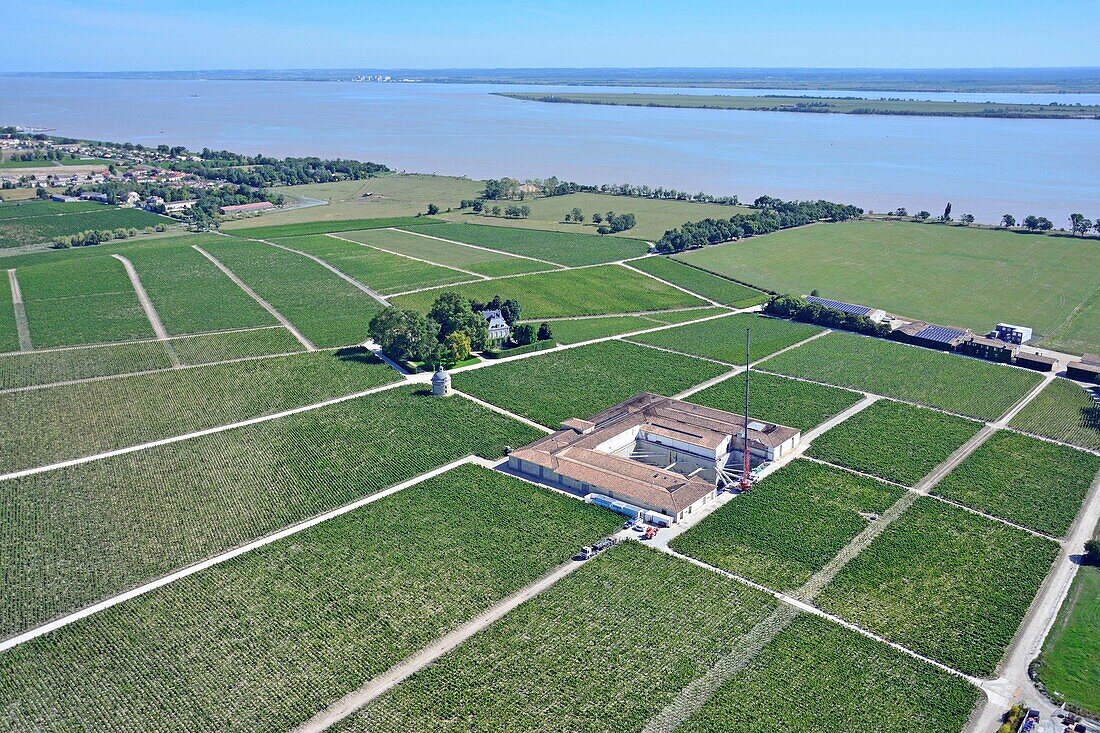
<point>1064,411</point>
<point>801,405</point>
<point>327,309</point>
<point>958,275</point>
<point>582,657</point>
<point>1071,654</point>
<point>9,335</point>
<point>380,271</point>
<point>684,314</point>
<point>549,388</point>
<point>585,292</point>
<point>1027,481</point>
<point>911,373</point>
<point>561,247</point>
<point>817,677</point>
<point>315,615</point>
<point>44,367</point>
<point>482,261</point>
<point>213,347</point>
<point>104,526</point>
<point>789,526</point>
<point>25,209</point>
<point>894,441</point>
<point>723,339</point>
<point>322,227</point>
<point>944,582</point>
<point>18,231</point>
<point>575,331</point>
<point>719,289</point>
<point>58,423</point>
<point>82,301</point>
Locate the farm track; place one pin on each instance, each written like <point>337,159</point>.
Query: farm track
<point>408,257</point>
<point>478,246</point>
<point>681,288</point>
<point>336,271</point>
<point>21,325</point>
<point>150,310</point>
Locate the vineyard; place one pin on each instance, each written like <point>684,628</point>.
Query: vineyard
<point>579,382</point>
<point>894,441</point>
<point>327,309</point>
<point>910,373</point>
<point>1064,411</point>
<point>723,339</point>
<point>322,227</point>
<point>69,421</point>
<point>485,262</point>
<point>572,332</point>
<point>944,582</point>
<point>27,209</point>
<point>18,231</point>
<point>591,291</point>
<point>600,652</point>
<point>1027,481</point>
<point>212,347</point>
<point>9,336</point>
<point>719,289</point>
<point>267,639</point>
<point>562,247</point>
<point>789,526</point>
<point>801,405</point>
<point>817,677</point>
<point>104,526</point>
<point>43,367</point>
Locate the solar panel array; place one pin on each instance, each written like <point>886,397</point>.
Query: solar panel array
<point>940,334</point>
<point>858,310</point>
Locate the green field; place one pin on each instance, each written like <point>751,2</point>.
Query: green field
<point>327,309</point>
<point>560,247</point>
<point>894,441</point>
<point>801,405</point>
<point>952,275</point>
<point>58,423</point>
<point>1071,653</point>
<point>82,533</point>
<point>575,331</point>
<point>549,388</point>
<point>723,339</point>
<point>817,677</point>
<point>82,301</point>
<point>9,335</point>
<point>600,652</point>
<point>323,227</point>
<point>718,289</point>
<point>585,292</point>
<point>1063,411</point>
<point>214,347</point>
<point>16,232</point>
<point>44,367</point>
<point>267,639</point>
<point>24,209</point>
<point>1027,481</point>
<point>932,378</point>
<point>944,582</point>
<point>482,261</point>
<point>789,526</point>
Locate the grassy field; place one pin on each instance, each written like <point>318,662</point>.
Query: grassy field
<point>264,641</point>
<point>952,275</point>
<point>15,232</point>
<point>1071,653</point>
<point>38,207</point>
<point>780,400</point>
<point>79,534</point>
<point>817,677</point>
<point>585,292</point>
<point>279,231</point>
<point>85,301</point>
<point>718,289</point>
<point>723,339</point>
<point>582,656</point>
<point>789,526</point>
<point>327,309</point>
<point>49,425</point>
<point>482,261</point>
<point>578,382</point>
<point>945,583</point>
<point>560,247</point>
<point>1063,411</point>
<point>1027,481</point>
<point>894,441</point>
<point>932,378</point>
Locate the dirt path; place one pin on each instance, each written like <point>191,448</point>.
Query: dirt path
<point>710,301</point>
<point>255,296</point>
<point>150,310</point>
<point>339,273</point>
<point>409,257</point>
<point>21,325</point>
<point>476,246</point>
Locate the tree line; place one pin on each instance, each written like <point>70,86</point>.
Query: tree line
<point>511,188</point>
<point>798,309</point>
<point>260,171</point>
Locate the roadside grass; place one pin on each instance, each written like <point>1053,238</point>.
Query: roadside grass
<point>789,526</point>
<point>723,339</point>
<point>581,656</point>
<point>949,382</point>
<point>894,441</point>
<point>490,263</point>
<point>1064,411</point>
<point>801,405</point>
<point>267,639</point>
<point>277,231</point>
<point>102,527</point>
<point>944,582</point>
<point>552,387</point>
<point>18,231</point>
<point>606,289</point>
<point>719,289</point>
<point>1071,652</point>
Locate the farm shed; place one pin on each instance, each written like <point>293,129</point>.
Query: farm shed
<point>985,347</point>
<point>1035,361</point>
<point>1086,370</point>
<point>932,336</point>
<point>875,314</point>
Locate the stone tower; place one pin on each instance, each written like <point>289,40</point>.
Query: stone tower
<point>441,383</point>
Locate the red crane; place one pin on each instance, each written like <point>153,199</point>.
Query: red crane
<point>745,483</point>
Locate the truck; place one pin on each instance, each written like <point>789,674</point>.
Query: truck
<point>589,551</point>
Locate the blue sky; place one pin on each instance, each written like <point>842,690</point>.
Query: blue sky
<point>202,34</point>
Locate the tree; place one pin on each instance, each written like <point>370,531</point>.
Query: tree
<point>496,211</point>
<point>924,215</point>
<point>1078,223</point>
<point>597,218</point>
<point>509,311</point>
<point>967,219</point>
<point>577,215</point>
<point>42,193</point>
<point>1008,221</point>
<point>478,205</point>
<point>1096,225</point>
<point>1031,222</point>
<point>458,343</point>
<point>1045,224</point>
<point>544,334</point>
<point>453,313</point>
<point>901,211</point>
<point>523,334</point>
<point>403,334</point>
<point>947,212</point>
<point>1092,553</point>
<point>432,209</point>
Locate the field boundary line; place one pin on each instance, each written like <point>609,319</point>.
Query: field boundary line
<point>150,309</point>
<point>635,314</point>
<point>256,296</point>
<point>22,328</point>
<point>478,246</point>
<point>328,266</point>
<point>108,344</point>
<point>409,257</point>
<point>561,268</point>
<point>682,353</point>
<point>710,301</point>
<point>1047,439</point>
<point>225,556</point>
<point>502,411</point>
